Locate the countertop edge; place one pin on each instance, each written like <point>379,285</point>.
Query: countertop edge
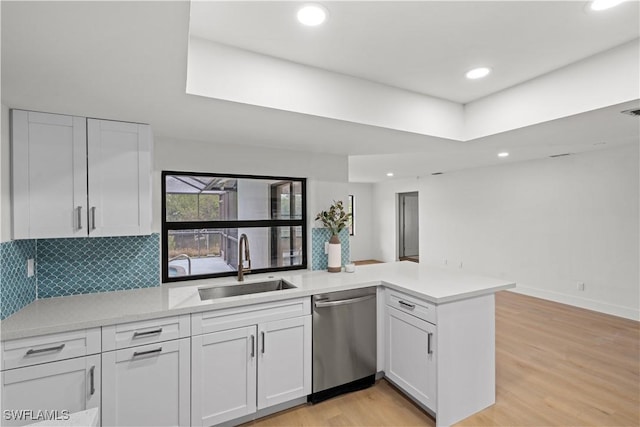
<point>300,292</point>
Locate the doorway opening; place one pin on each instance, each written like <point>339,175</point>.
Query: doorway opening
<point>408,227</point>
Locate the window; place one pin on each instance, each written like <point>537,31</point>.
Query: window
<point>352,218</point>
<point>205,214</point>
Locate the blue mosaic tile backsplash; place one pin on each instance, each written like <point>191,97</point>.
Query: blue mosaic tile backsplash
<point>88,265</point>
<point>318,238</point>
<point>16,289</point>
<point>75,266</point>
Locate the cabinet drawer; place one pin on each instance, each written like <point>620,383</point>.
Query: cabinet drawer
<point>143,332</point>
<point>414,306</point>
<point>50,348</point>
<point>237,317</point>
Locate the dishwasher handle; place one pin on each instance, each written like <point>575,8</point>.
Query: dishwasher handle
<point>325,303</point>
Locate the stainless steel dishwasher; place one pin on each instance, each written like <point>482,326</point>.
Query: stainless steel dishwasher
<point>344,342</point>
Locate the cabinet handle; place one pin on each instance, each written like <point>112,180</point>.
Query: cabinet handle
<point>253,346</point>
<point>262,341</point>
<point>45,350</point>
<point>92,382</point>
<point>406,305</point>
<point>147,333</point>
<point>429,350</point>
<point>79,213</point>
<point>144,353</point>
<point>93,217</point>
<point>324,303</point>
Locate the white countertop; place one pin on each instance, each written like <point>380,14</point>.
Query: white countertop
<point>50,315</point>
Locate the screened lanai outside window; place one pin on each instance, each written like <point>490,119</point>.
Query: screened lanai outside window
<point>205,214</point>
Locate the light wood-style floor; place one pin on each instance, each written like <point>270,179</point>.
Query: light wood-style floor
<point>556,365</point>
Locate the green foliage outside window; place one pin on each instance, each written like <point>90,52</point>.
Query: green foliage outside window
<point>193,207</point>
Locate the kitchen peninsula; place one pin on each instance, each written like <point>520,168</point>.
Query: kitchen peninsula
<point>436,329</point>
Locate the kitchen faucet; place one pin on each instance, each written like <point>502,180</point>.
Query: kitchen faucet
<point>247,256</point>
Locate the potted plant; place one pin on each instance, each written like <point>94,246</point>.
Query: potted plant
<point>335,219</point>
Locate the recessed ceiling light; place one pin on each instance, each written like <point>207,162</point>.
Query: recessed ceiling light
<point>312,15</point>
<point>503,154</point>
<point>604,4</point>
<point>389,173</point>
<point>478,73</point>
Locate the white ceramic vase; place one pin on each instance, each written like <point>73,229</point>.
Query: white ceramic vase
<point>334,262</point>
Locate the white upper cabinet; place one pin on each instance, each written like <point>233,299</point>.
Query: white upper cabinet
<point>78,177</point>
<point>119,159</point>
<point>49,154</point>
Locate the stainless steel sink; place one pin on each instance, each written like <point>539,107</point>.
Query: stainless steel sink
<point>215,292</point>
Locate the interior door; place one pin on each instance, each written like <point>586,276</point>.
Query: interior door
<point>408,225</point>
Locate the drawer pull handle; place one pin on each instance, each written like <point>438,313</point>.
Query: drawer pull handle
<point>45,350</point>
<point>93,218</point>
<point>147,333</point>
<point>406,305</point>
<point>253,346</point>
<point>79,211</point>
<point>262,341</point>
<point>92,380</point>
<point>144,353</point>
<point>429,349</point>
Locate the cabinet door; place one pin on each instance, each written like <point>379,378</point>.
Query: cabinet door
<point>284,367</point>
<point>119,158</point>
<point>410,359</point>
<point>69,385</point>
<point>147,385</point>
<point>49,175</point>
<point>223,376</point>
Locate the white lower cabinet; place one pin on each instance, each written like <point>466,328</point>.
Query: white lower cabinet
<point>284,361</point>
<point>68,385</point>
<point>239,371</point>
<point>410,359</point>
<point>223,369</point>
<point>147,385</point>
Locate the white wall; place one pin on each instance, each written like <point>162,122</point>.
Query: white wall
<point>546,224</point>
<point>361,244</point>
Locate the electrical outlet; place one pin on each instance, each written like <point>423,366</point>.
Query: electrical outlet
<point>31,267</point>
<point>580,286</point>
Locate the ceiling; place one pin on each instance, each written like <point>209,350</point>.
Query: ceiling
<point>127,61</point>
<point>424,46</point>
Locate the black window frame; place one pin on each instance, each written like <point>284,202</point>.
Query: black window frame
<point>190,225</point>
<point>352,219</point>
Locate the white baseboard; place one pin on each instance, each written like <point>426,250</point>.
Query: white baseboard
<point>615,310</point>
